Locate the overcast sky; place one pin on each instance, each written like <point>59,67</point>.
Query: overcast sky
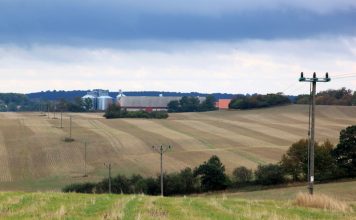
<point>202,45</point>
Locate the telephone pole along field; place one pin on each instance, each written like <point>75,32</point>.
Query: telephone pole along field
<point>311,129</point>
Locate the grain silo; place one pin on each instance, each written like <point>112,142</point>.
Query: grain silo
<point>104,100</point>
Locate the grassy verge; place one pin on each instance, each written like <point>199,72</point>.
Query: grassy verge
<point>15,205</point>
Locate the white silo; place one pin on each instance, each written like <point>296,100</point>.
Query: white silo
<point>104,100</point>
<point>119,96</point>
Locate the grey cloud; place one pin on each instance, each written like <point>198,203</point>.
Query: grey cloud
<point>109,22</point>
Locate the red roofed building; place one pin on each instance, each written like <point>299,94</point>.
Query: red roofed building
<point>223,103</point>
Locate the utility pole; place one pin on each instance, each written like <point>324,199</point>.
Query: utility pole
<point>54,111</point>
<point>311,131</point>
<point>48,110</point>
<point>109,167</point>
<point>61,118</point>
<point>70,128</point>
<point>85,159</point>
<point>161,150</point>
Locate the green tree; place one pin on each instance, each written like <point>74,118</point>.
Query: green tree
<point>88,104</point>
<point>212,174</point>
<point>174,106</point>
<point>269,174</point>
<point>295,161</point>
<point>208,104</point>
<point>242,175</point>
<point>345,152</point>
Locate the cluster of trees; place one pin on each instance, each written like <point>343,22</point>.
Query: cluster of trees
<point>16,102</point>
<point>259,101</point>
<point>20,102</point>
<point>341,96</point>
<point>330,163</point>
<point>192,104</point>
<point>208,176</point>
<point>115,111</point>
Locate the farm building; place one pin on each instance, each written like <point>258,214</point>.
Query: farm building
<point>223,103</point>
<point>146,103</point>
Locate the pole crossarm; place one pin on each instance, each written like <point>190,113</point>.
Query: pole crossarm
<point>314,79</point>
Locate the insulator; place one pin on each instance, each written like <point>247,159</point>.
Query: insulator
<point>314,75</point>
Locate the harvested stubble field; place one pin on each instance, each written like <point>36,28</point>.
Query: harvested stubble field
<point>16,205</point>
<point>34,156</point>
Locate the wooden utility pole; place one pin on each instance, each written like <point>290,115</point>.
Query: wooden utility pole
<point>70,127</point>
<point>109,168</point>
<point>85,159</point>
<point>61,118</point>
<point>311,141</point>
<point>161,150</point>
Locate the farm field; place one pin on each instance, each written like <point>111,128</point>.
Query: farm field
<point>17,205</point>
<point>34,156</point>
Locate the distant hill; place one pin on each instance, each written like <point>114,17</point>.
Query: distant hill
<point>70,95</point>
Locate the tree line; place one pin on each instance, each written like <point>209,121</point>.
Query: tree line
<point>259,101</point>
<point>330,163</point>
<point>192,104</point>
<point>341,96</point>
<point>115,111</point>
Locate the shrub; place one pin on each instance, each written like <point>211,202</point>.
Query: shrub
<point>269,174</point>
<point>80,188</point>
<point>242,175</point>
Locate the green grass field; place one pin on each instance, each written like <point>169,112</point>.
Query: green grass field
<point>33,155</point>
<point>276,204</point>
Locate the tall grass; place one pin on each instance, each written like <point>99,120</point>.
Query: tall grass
<point>321,201</point>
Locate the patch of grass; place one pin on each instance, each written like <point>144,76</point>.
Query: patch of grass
<point>321,201</point>
<point>80,206</point>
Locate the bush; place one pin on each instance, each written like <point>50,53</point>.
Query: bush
<point>269,174</point>
<point>80,188</point>
<point>242,175</point>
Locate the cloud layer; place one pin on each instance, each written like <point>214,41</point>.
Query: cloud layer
<point>106,22</point>
<point>237,67</point>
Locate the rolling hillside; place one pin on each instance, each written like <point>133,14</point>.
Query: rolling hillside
<point>33,154</point>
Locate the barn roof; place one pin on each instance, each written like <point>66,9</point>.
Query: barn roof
<point>148,101</point>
